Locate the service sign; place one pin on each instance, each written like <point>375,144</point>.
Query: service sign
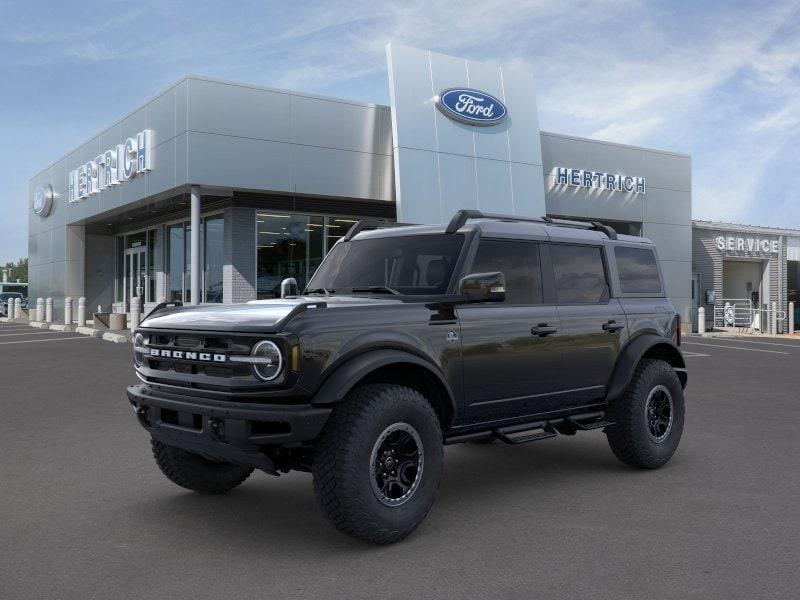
<point>738,243</point>
<point>113,167</point>
<point>472,107</point>
<point>612,182</point>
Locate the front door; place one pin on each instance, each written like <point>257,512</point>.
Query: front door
<point>511,353</point>
<point>135,275</point>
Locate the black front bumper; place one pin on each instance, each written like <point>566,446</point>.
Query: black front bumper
<point>227,431</point>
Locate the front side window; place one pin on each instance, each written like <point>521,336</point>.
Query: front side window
<point>519,263</point>
<point>414,264</point>
<point>638,271</point>
<point>580,276</point>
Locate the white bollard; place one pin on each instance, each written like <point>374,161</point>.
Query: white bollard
<point>701,320</point>
<point>11,307</point>
<point>82,311</point>
<point>791,317</point>
<point>774,320</point>
<point>48,310</point>
<point>40,309</point>
<point>67,311</point>
<point>136,312</point>
<point>18,309</point>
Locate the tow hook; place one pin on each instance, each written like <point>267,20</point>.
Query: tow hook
<point>143,414</point>
<point>216,428</point>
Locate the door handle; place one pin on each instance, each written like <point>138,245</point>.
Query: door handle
<point>543,330</point>
<point>612,326</point>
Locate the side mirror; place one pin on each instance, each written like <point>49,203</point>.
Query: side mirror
<point>483,287</point>
<point>289,287</point>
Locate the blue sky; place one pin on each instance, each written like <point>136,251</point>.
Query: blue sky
<point>717,80</point>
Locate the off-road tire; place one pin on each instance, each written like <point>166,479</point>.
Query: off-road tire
<point>628,436</point>
<point>343,466</point>
<point>193,472</point>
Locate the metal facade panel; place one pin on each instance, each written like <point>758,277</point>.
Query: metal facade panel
<point>332,124</point>
<point>423,185</point>
<point>239,110</point>
<point>458,183</point>
<point>331,172</point>
<point>415,78</point>
<point>526,181</point>
<point>238,162</point>
<point>413,113</point>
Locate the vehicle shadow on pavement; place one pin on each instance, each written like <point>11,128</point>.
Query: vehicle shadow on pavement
<point>266,510</point>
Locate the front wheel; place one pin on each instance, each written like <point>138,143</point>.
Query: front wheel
<point>378,463</point>
<point>648,417</point>
<point>193,472</point>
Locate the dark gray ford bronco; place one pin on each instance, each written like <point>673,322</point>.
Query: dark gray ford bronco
<point>409,338</point>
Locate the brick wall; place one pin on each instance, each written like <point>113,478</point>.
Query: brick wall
<point>239,270</point>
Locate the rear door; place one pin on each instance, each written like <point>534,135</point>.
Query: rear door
<point>593,324</point>
<point>510,350</point>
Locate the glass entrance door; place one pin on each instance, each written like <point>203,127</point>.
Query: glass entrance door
<point>135,280</point>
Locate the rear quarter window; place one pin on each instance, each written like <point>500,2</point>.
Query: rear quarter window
<point>638,270</point>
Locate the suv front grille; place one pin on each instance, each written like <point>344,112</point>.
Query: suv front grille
<point>210,344</point>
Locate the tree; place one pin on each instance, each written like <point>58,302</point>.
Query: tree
<point>19,270</point>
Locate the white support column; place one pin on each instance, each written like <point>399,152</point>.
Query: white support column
<point>194,277</point>
<point>791,317</point>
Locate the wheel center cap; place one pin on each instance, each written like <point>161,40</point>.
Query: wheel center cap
<point>389,462</point>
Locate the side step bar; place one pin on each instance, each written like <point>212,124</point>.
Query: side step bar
<point>537,430</point>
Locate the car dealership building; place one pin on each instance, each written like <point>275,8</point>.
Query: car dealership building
<point>215,191</point>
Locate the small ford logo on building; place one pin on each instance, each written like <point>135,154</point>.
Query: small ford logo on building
<point>472,107</point>
<point>43,200</point>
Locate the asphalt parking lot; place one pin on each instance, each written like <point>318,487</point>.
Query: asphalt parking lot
<point>85,513</point>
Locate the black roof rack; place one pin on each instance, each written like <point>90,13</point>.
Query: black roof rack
<point>462,216</point>
<point>363,224</point>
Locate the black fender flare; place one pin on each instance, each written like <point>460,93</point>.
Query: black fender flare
<point>349,373</point>
<point>632,354</point>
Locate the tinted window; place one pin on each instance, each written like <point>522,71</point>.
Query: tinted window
<point>579,274</point>
<point>410,264</point>
<point>638,271</point>
<point>519,262</point>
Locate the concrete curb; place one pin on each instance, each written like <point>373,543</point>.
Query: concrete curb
<point>117,338</point>
<point>39,324</point>
<point>4,320</point>
<point>61,327</point>
<point>88,331</point>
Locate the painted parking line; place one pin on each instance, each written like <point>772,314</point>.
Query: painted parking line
<point>734,348</point>
<point>743,341</point>
<point>25,332</point>
<point>55,339</point>
<point>691,354</point>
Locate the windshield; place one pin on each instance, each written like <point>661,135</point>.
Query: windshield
<point>413,264</point>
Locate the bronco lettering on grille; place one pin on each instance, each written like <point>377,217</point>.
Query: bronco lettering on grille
<point>181,354</point>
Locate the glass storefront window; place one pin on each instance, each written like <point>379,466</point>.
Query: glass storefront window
<point>287,246</point>
<point>179,260</point>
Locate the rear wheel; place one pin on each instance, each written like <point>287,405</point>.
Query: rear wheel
<point>378,463</point>
<point>193,472</point>
<point>648,418</point>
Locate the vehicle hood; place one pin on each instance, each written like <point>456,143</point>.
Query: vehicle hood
<point>263,316</point>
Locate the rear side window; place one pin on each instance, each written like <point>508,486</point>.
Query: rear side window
<point>580,276</point>
<point>519,262</point>
<point>638,270</point>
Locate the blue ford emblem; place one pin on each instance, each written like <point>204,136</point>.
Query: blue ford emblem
<point>472,107</point>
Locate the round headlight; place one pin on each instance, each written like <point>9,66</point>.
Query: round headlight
<point>138,349</point>
<point>268,360</point>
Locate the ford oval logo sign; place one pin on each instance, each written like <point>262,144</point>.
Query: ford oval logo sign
<point>472,107</point>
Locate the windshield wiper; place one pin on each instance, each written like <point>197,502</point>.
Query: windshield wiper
<point>377,289</point>
<point>320,290</point>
